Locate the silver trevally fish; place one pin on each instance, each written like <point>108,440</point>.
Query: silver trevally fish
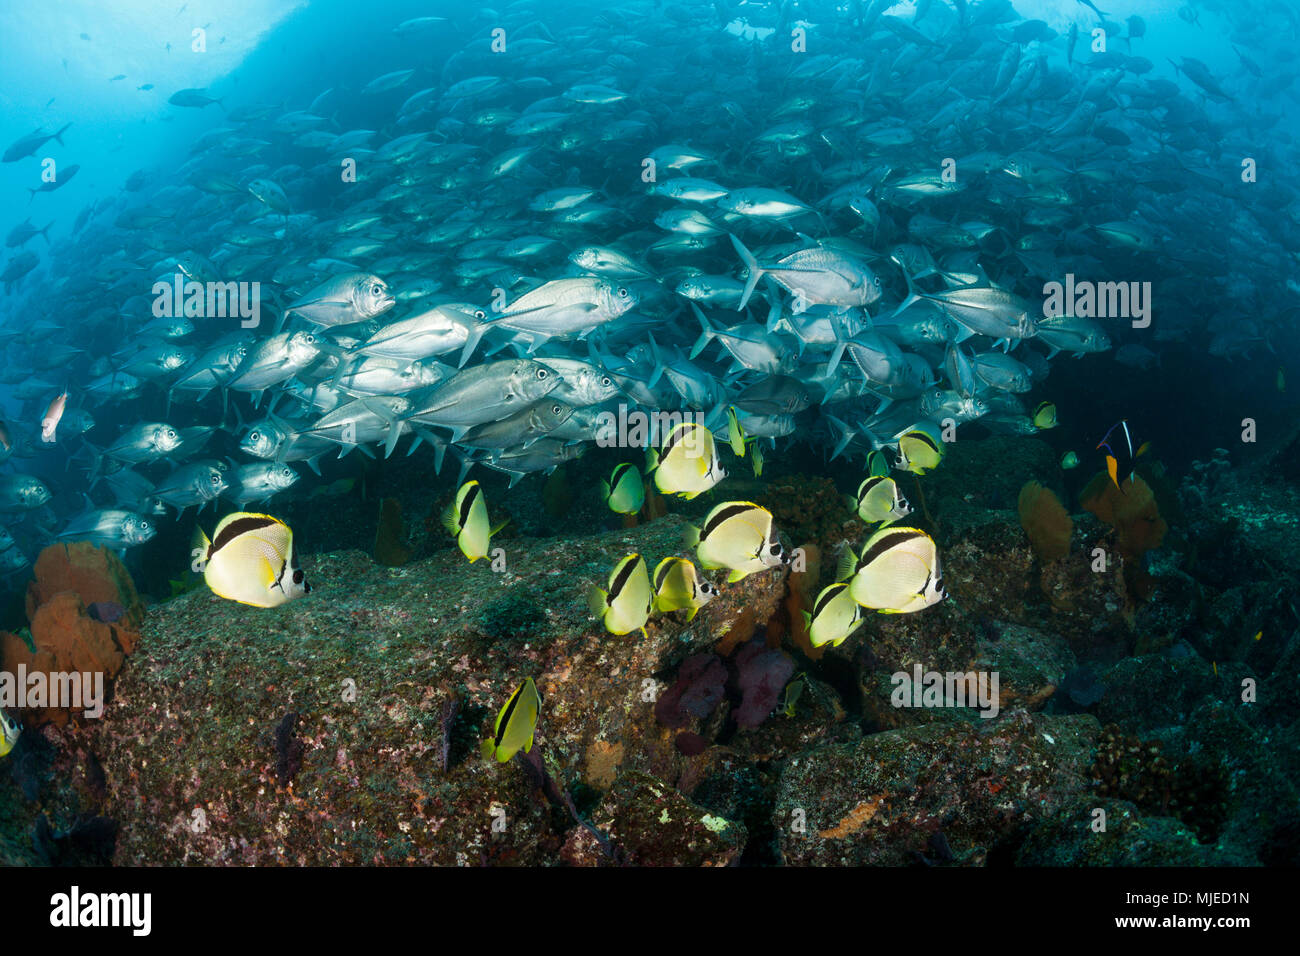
<point>565,308</point>
<point>484,393</point>
<point>22,493</point>
<point>346,298</point>
<point>109,528</point>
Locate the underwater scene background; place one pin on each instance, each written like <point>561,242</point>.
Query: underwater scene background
<point>655,433</point>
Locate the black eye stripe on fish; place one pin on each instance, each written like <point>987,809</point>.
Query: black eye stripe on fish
<point>887,542</point>
<point>503,722</point>
<point>236,528</point>
<point>467,503</point>
<point>625,572</point>
<point>724,515</point>
<point>284,567</point>
<point>929,576</point>
<point>869,484</point>
<point>673,437</point>
<point>826,597</point>
<point>924,439</point>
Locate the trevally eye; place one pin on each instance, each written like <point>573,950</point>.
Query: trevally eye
<point>254,436</point>
<point>480,314</point>
<point>541,374</point>
<point>622,293</point>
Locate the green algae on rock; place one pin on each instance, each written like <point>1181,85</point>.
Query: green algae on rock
<point>1071,838</point>
<point>652,824</point>
<point>879,800</point>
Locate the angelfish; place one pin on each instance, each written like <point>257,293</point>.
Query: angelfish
<point>251,559</point>
<point>1121,459</point>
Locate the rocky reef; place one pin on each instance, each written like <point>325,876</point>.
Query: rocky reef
<point>1139,718</point>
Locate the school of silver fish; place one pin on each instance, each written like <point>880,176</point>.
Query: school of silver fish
<point>835,220</point>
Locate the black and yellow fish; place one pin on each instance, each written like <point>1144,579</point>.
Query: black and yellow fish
<point>516,724</point>
<point>251,559</point>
